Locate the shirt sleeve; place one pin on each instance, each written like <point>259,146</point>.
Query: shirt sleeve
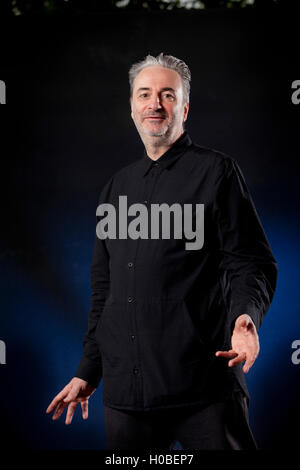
<point>248,267</point>
<point>90,366</point>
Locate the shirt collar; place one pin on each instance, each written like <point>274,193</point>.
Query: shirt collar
<point>169,157</point>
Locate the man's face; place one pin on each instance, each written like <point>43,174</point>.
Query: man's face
<point>157,103</point>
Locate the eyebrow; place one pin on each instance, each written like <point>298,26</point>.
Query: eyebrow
<point>163,89</point>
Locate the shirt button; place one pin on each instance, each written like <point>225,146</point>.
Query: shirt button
<point>146,202</point>
<point>135,371</point>
<point>130,299</point>
<point>130,264</point>
<point>132,337</point>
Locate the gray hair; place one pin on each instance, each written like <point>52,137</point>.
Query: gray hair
<point>167,61</point>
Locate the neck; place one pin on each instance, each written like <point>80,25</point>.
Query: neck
<point>157,146</point>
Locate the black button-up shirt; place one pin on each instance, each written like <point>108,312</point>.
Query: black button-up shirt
<point>159,311</point>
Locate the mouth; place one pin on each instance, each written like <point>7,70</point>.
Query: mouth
<point>155,118</point>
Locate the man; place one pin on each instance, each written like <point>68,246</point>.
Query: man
<point>173,330</point>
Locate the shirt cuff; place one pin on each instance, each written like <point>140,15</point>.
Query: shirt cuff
<point>89,371</point>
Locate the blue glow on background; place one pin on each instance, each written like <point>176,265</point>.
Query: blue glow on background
<point>43,336</point>
<point>273,381</point>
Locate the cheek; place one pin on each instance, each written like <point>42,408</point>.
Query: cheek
<point>176,112</point>
<point>136,112</point>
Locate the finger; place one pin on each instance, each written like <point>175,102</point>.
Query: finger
<point>57,399</point>
<point>248,364</point>
<point>53,404</point>
<point>59,409</point>
<point>84,407</point>
<point>228,354</point>
<point>72,395</point>
<point>237,360</point>
<point>70,412</point>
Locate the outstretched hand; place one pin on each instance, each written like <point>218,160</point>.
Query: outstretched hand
<point>76,391</point>
<point>244,343</point>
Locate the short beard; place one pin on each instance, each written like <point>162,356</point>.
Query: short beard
<point>159,133</point>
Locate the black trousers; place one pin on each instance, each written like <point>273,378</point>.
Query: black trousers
<point>218,426</point>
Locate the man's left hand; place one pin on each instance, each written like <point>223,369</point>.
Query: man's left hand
<point>244,343</point>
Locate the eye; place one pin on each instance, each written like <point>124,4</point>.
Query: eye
<point>169,96</point>
<point>143,95</point>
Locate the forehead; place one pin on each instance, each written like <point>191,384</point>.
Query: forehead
<point>157,77</point>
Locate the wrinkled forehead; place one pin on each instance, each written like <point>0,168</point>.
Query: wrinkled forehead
<point>156,77</point>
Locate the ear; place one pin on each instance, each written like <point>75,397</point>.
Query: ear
<point>186,110</point>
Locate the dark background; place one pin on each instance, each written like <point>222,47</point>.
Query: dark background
<point>66,128</point>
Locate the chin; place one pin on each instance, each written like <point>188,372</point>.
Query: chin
<point>156,133</point>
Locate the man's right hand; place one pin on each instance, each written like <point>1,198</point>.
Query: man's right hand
<point>76,391</point>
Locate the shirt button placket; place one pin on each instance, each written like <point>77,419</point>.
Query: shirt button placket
<point>136,367</point>
<point>132,334</point>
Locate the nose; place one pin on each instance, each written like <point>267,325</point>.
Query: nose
<point>155,102</point>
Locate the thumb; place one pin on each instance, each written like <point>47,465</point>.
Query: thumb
<point>244,323</point>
